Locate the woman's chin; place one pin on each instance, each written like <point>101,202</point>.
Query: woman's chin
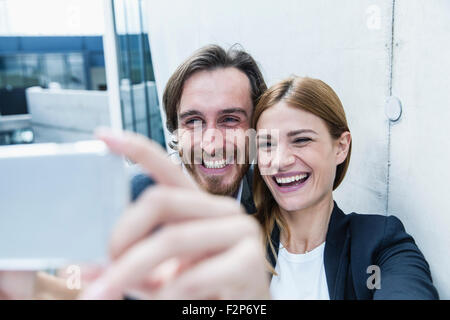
<point>292,205</point>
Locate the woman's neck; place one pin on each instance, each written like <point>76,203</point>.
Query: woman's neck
<point>308,227</point>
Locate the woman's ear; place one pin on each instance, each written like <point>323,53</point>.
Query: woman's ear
<point>343,145</point>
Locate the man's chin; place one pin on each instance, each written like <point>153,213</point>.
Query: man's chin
<point>216,185</point>
<point>222,190</point>
<point>223,184</point>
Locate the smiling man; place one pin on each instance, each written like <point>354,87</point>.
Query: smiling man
<point>216,104</point>
<point>209,103</point>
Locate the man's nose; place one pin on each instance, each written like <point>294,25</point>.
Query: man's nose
<point>212,142</point>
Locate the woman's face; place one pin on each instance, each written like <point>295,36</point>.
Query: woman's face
<point>297,156</point>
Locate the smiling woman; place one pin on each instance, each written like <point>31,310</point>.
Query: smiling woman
<point>315,250</point>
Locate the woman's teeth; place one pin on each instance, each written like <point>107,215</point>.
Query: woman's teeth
<point>290,179</point>
<point>215,164</point>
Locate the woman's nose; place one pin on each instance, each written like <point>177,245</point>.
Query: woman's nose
<point>283,159</point>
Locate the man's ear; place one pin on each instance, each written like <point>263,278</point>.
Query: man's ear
<point>342,147</point>
<point>175,143</point>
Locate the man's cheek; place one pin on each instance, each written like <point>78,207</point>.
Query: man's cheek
<point>186,147</point>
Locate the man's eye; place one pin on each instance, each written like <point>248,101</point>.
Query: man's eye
<point>230,120</point>
<point>194,121</point>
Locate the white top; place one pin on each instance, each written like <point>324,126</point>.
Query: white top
<point>300,276</point>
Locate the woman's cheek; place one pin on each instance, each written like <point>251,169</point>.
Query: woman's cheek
<point>264,163</point>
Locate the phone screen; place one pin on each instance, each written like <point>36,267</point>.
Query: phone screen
<point>59,203</point>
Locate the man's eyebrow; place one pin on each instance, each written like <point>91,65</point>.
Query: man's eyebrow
<point>296,132</point>
<point>233,110</point>
<point>189,113</point>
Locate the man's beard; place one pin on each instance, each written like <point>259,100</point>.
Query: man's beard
<point>214,183</point>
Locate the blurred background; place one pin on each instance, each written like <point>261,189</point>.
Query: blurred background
<point>67,66</point>
<point>53,85</point>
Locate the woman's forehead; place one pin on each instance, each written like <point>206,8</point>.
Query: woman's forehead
<point>284,117</point>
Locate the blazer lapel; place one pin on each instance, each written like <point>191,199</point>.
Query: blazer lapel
<point>247,195</point>
<point>275,238</point>
<point>336,253</point>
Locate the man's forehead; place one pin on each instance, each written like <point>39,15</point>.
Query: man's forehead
<point>214,91</point>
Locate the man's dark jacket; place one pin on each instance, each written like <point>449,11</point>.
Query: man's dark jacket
<point>141,182</point>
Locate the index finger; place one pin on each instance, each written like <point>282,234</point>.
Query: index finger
<point>176,241</point>
<point>150,155</point>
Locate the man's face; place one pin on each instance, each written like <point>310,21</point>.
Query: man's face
<point>213,118</point>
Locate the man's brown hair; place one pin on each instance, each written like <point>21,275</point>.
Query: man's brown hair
<point>209,58</point>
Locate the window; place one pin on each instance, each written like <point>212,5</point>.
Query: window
<point>139,98</point>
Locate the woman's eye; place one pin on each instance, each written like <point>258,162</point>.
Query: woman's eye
<point>302,140</point>
<point>264,145</point>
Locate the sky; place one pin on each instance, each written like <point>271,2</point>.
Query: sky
<point>51,17</point>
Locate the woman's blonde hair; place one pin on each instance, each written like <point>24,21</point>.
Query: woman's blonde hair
<point>316,97</point>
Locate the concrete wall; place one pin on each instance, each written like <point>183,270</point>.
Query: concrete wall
<point>419,189</point>
<point>72,115</point>
<point>366,50</point>
<point>66,115</point>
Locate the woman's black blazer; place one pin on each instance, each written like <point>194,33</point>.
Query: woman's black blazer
<point>356,241</point>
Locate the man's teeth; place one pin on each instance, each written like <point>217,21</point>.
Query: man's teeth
<point>291,179</point>
<point>215,164</point>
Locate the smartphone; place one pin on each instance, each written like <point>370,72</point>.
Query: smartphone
<point>59,203</point>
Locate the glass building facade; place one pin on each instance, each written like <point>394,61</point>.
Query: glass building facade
<point>63,62</point>
<point>138,94</point>
<point>78,63</point>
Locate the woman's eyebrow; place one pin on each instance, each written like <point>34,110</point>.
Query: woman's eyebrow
<point>296,132</point>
